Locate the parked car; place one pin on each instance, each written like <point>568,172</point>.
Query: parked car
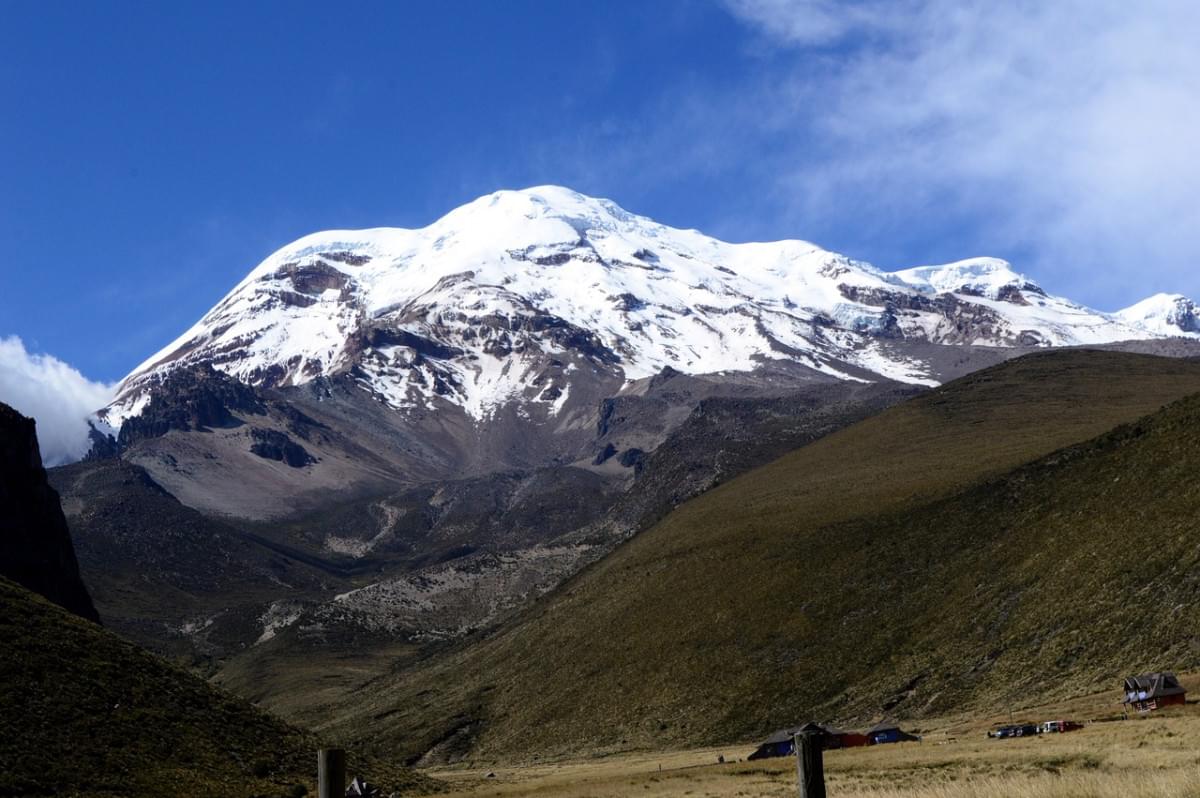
<point>1016,730</point>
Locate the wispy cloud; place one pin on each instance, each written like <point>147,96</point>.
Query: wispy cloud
<point>1066,128</point>
<point>53,393</point>
<point>1057,134</point>
<point>816,22</point>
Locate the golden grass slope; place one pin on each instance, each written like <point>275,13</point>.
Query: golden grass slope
<point>905,565</point>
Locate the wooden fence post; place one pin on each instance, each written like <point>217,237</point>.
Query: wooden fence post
<point>810,767</point>
<point>331,773</point>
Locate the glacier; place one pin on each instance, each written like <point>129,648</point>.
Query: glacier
<point>505,298</point>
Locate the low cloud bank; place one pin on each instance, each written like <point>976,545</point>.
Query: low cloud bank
<point>55,394</point>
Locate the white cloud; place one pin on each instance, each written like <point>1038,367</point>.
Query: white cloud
<point>1066,129</point>
<point>53,393</point>
<point>823,21</point>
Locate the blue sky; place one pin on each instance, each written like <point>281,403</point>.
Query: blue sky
<point>152,153</point>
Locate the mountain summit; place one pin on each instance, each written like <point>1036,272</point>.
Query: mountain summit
<point>517,295</point>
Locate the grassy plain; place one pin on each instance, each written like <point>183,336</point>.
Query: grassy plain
<point>1144,757</point>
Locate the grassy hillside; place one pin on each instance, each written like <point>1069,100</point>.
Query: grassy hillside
<point>904,565</point>
<point>83,712</point>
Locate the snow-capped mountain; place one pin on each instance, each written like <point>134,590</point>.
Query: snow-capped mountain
<point>475,410</point>
<point>518,295</point>
<point>1166,314</point>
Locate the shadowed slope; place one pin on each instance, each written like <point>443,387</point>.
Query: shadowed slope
<point>843,580</point>
<point>35,544</point>
<point>157,567</point>
<point>84,712</point>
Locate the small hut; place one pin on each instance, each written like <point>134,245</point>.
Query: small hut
<point>839,738</point>
<point>778,744</point>
<point>887,732</point>
<point>781,742</point>
<point>1151,691</point>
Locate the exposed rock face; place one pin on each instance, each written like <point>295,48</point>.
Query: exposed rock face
<point>1184,315</point>
<point>195,398</point>
<point>104,445</point>
<point>35,544</point>
<point>602,456</point>
<point>955,320</point>
<point>274,445</point>
<point>632,458</point>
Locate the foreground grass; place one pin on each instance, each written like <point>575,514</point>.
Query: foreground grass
<point>1153,756</point>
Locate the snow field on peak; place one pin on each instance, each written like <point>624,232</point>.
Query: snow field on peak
<point>1167,314</point>
<point>656,296</point>
<point>983,275</point>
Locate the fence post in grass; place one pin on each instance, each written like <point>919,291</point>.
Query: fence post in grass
<point>810,768</point>
<point>331,773</point>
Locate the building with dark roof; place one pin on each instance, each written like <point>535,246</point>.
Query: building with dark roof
<point>887,732</point>
<point>1151,691</point>
<point>778,744</point>
<point>781,742</point>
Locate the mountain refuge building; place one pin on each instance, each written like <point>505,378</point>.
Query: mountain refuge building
<point>1151,691</point>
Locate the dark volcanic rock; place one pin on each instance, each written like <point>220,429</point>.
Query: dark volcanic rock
<point>667,373</point>
<point>274,445</point>
<point>1011,293</point>
<point>104,446</point>
<point>632,458</point>
<point>381,336</point>
<point>311,278</point>
<point>629,303</point>
<point>346,257</point>
<point>567,336</point>
<point>196,398</point>
<point>969,321</point>
<point>35,544</point>
<point>608,414</point>
<point>602,456</point>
